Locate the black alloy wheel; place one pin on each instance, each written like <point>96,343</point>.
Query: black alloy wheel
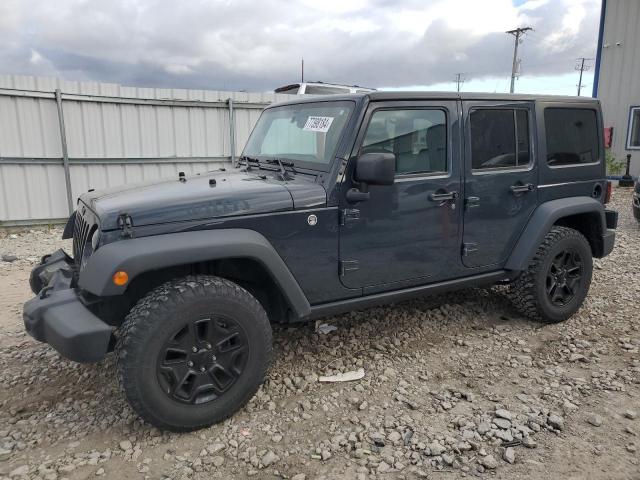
<point>202,360</point>
<point>564,276</point>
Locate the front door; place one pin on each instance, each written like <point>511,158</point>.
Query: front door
<point>406,233</point>
<point>500,179</point>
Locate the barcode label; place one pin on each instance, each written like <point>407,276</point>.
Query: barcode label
<point>318,124</point>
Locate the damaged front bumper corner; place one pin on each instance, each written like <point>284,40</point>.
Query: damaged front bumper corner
<point>58,316</point>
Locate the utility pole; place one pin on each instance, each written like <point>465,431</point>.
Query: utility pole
<point>583,68</point>
<point>302,72</point>
<point>459,81</point>
<point>517,33</point>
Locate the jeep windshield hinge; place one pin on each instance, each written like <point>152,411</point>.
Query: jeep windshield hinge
<point>469,248</point>
<point>349,215</point>
<point>125,223</point>
<point>347,266</point>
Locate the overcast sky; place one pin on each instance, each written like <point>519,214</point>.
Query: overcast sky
<point>257,44</point>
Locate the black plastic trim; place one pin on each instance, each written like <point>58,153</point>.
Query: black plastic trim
<point>541,222</point>
<point>612,219</point>
<point>608,241</point>
<point>139,255</point>
<point>61,320</point>
<point>69,226</point>
<point>359,303</point>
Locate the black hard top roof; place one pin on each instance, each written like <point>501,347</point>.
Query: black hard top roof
<point>379,96</point>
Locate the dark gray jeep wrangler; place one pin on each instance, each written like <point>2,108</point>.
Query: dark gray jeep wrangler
<point>339,203</point>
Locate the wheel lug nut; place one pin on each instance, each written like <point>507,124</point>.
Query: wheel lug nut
<point>194,349</point>
<point>190,364</point>
<point>213,357</point>
<point>202,369</point>
<point>208,346</point>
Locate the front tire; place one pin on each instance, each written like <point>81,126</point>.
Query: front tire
<point>557,280</point>
<point>192,352</point>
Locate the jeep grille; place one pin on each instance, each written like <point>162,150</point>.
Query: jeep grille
<point>81,232</point>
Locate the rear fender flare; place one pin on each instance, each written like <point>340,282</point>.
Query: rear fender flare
<point>139,255</point>
<point>540,224</point>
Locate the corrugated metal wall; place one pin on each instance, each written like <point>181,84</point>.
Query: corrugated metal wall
<point>114,135</point>
<point>619,79</point>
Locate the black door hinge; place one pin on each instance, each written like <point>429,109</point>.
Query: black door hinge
<point>347,266</point>
<point>469,248</point>
<point>472,202</point>
<point>349,215</point>
<point>125,223</point>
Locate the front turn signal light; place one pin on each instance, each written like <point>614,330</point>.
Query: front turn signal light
<point>120,278</point>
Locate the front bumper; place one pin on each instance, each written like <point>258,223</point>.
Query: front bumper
<point>636,205</point>
<point>59,317</point>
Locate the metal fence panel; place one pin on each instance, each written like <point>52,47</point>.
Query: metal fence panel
<point>114,135</point>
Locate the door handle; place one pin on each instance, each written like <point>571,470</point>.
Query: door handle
<point>527,187</point>
<point>443,197</point>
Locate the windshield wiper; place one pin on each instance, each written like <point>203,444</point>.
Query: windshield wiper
<point>250,161</point>
<point>283,171</point>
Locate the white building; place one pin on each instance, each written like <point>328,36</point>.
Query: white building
<point>617,77</point>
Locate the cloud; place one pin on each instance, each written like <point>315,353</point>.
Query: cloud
<point>219,44</point>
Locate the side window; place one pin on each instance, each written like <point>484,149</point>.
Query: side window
<point>633,137</point>
<point>418,138</point>
<point>322,90</point>
<point>572,136</point>
<point>499,138</point>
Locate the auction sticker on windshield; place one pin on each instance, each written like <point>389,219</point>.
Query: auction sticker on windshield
<point>318,124</point>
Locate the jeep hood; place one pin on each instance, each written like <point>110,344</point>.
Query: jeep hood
<point>205,196</point>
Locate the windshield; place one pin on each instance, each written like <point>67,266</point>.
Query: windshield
<point>306,134</point>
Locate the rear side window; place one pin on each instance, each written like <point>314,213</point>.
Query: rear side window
<point>499,138</point>
<point>572,136</point>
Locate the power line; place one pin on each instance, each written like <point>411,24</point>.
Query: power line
<point>517,33</point>
<point>459,80</point>
<point>582,68</point>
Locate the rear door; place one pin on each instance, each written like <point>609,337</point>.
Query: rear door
<point>500,179</point>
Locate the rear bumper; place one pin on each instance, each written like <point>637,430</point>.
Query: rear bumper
<point>58,316</point>
<point>608,240</point>
<point>609,236</point>
<point>636,205</point>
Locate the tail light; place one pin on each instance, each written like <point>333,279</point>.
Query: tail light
<point>607,196</point>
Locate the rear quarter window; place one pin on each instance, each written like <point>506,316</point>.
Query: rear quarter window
<point>572,136</point>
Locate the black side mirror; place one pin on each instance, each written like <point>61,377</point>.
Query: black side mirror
<point>376,168</point>
<point>372,169</point>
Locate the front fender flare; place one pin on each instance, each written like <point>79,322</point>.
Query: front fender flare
<point>541,222</point>
<point>139,255</point>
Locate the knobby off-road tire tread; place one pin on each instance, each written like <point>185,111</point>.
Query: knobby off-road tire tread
<point>141,319</point>
<point>522,291</point>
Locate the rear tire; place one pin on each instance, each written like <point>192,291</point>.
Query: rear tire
<point>192,352</point>
<point>556,282</point>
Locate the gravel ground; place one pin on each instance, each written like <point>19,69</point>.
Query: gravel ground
<point>454,386</point>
